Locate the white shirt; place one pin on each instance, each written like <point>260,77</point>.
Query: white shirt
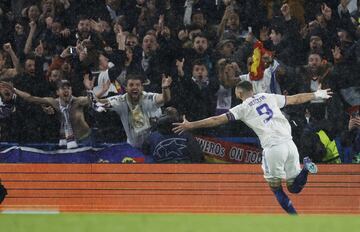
<point>351,7</point>
<point>263,85</point>
<point>223,98</point>
<point>258,86</point>
<point>112,12</point>
<point>149,108</point>
<point>101,80</point>
<point>262,114</point>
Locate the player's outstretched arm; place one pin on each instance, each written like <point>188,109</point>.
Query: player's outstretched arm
<point>305,97</point>
<point>204,123</point>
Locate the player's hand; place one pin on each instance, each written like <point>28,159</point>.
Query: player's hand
<point>323,93</point>
<point>180,127</point>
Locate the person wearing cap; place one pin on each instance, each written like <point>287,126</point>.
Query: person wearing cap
<point>74,129</point>
<point>226,48</point>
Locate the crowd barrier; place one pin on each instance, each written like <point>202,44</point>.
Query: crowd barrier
<point>188,188</point>
<point>216,150</point>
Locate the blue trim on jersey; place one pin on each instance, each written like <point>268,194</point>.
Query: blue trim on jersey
<point>230,116</point>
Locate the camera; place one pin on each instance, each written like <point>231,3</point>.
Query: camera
<point>355,114</point>
<point>72,51</point>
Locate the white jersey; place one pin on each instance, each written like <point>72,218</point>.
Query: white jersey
<point>149,109</point>
<point>262,114</point>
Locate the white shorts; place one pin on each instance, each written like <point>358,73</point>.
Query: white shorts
<point>281,161</point>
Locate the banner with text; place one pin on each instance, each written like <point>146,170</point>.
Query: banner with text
<point>219,151</point>
<point>116,153</point>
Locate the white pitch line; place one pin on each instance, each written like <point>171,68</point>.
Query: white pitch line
<point>10,211</point>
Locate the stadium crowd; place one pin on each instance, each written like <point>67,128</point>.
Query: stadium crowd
<point>186,55</point>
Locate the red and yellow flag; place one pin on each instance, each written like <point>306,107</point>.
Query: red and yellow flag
<point>257,67</point>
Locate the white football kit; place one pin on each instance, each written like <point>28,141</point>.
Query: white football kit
<point>262,114</point>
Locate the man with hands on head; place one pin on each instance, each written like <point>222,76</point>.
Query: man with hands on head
<point>261,112</point>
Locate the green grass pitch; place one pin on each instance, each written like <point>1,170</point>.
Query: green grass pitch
<point>68,222</point>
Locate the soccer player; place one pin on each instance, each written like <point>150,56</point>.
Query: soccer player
<point>261,112</point>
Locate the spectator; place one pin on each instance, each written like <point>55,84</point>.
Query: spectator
<point>230,25</point>
<point>84,33</point>
<point>137,109</point>
<point>228,73</point>
<point>200,51</point>
<point>152,60</point>
<point>194,96</point>
<point>147,37</point>
<point>317,43</point>
<point>7,103</point>
<point>318,141</point>
<point>114,8</point>
<point>31,80</point>
<point>132,41</point>
<point>198,20</point>
<point>350,138</point>
<point>282,48</point>
<point>226,48</point>
<point>6,73</point>
<point>167,147</point>
<point>74,128</point>
<point>309,78</point>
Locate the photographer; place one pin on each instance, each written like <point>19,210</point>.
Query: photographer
<point>165,146</point>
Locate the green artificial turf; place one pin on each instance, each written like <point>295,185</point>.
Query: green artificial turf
<point>178,222</point>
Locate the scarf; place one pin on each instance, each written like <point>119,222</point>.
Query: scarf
<point>201,83</point>
<point>145,62</point>
<point>274,85</point>
<point>97,106</point>
<point>66,130</point>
